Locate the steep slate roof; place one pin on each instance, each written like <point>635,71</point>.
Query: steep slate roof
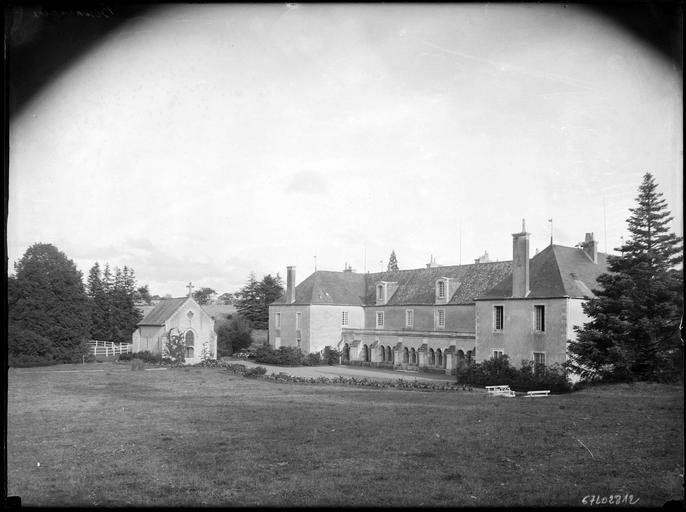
<point>556,271</point>
<point>415,286</point>
<point>162,311</point>
<point>327,287</point>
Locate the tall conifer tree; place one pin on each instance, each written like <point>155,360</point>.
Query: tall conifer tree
<point>393,263</point>
<point>635,317</point>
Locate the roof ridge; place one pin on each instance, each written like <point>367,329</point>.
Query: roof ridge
<point>557,266</point>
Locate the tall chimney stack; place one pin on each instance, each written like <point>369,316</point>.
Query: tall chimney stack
<point>590,247</point>
<point>520,263</point>
<point>290,285</point>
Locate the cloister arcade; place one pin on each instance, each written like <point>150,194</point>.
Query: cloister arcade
<point>406,357</point>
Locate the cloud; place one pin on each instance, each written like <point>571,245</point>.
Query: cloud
<point>307,182</point>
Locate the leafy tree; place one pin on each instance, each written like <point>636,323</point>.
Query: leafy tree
<point>233,336</point>
<point>252,301</point>
<point>143,294</point>
<point>47,301</point>
<point>226,298</point>
<point>204,296</point>
<point>393,263</point>
<point>634,329</point>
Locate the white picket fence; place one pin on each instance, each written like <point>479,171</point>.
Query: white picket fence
<point>108,348</point>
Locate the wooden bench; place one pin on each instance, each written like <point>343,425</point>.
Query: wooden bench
<point>534,394</point>
<point>500,391</point>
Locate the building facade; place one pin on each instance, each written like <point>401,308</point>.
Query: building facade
<point>441,317</point>
<point>183,315</point>
<point>531,314</point>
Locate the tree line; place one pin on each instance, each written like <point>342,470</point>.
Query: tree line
<point>52,315</point>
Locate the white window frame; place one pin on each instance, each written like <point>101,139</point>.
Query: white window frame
<point>441,286</point>
<point>298,320</point>
<point>501,308</point>
<point>345,319</point>
<point>497,351</point>
<point>440,325</point>
<point>277,321</point>
<point>409,318</point>
<point>537,308</point>
<point>534,357</point>
<point>380,293</point>
<point>380,314</point>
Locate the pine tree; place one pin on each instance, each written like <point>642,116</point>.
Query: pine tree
<point>47,301</point>
<point>252,301</point>
<point>634,331</point>
<point>247,300</point>
<point>393,263</point>
<point>98,304</point>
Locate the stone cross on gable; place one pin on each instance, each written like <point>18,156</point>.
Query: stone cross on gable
<point>190,289</point>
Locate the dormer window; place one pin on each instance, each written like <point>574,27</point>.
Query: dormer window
<point>441,289</point>
<point>380,295</point>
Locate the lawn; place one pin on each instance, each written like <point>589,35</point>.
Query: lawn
<point>200,436</point>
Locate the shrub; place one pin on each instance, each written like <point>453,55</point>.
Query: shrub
<point>285,356</point>
<point>233,336</point>
<point>529,377</point>
<point>137,364</point>
<point>27,348</point>
<point>313,359</point>
<point>175,346</point>
<point>146,356</point>
<point>255,371</point>
<point>237,368</point>
<point>331,356</point>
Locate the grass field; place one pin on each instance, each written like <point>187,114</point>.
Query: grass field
<point>198,436</point>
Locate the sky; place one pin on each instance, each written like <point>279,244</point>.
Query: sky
<point>199,143</point>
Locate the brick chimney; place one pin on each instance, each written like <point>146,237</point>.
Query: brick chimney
<point>290,285</point>
<point>520,263</point>
<point>590,247</point>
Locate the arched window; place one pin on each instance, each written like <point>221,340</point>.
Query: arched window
<point>432,357</point>
<point>439,357</point>
<point>365,353</point>
<point>190,344</point>
<point>413,356</point>
<point>389,355</point>
<point>383,354</point>
<point>406,355</point>
<point>346,352</point>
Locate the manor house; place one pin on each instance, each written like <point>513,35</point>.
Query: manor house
<point>440,317</point>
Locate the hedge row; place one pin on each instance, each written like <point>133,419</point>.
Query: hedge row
<point>146,356</point>
<point>293,356</point>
